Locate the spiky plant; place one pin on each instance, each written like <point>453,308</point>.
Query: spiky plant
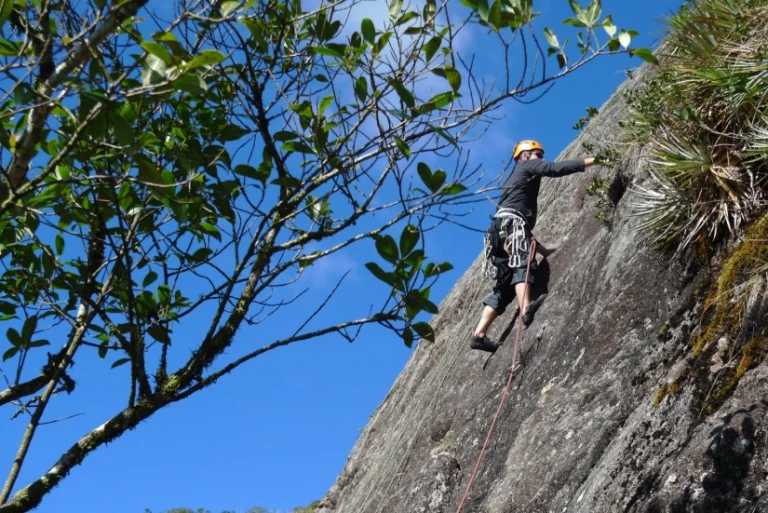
<point>704,122</point>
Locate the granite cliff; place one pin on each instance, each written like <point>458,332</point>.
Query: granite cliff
<point>609,412</point>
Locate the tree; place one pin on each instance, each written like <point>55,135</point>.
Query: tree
<point>185,165</point>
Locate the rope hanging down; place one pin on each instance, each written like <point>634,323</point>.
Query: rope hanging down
<point>506,389</point>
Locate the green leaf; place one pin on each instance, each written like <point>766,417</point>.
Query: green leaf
<point>405,95</point>
<point>149,174</point>
<point>251,172</point>
<point>395,8</point>
<point>405,18</point>
<point>6,7</point>
<point>297,146</point>
<point>625,39</point>
<point>10,353</point>
<point>13,337</point>
<point>288,182</point>
<point>29,328</point>
<point>9,48</point>
<point>562,60</point>
<point>228,8</point>
<point>122,129</point>
<point>326,51</point>
<point>119,362</point>
<point>431,47</point>
<point>381,43</point>
<point>284,135</point>
<point>201,255</point>
<point>574,22</point>
<point>153,70</point>
<point>452,189</point>
<point>206,58</point>
<point>159,333</point>
<point>434,270</point>
<point>613,45</point>
<point>231,133</point>
<point>211,230</point>
<point>551,37</point>
<point>303,109</point>
<point>403,147</point>
<point>424,173</point>
<point>361,89</point>
<point>190,83</point>
<point>158,51</point>
<point>149,279</point>
<point>437,102</point>
<point>430,9</point>
<point>163,294</point>
<point>453,77</point>
<point>7,308</point>
<point>59,242</point>
<point>425,331</point>
<point>494,15</point>
<point>445,135</point>
<point>409,237</point>
<point>438,179</point>
<point>408,337</point>
<point>416,300</point>
<point>482,9</point>
<point>369,31</point>
<point>593,12</point>
<point>575,7</point>
<point>609,27</point>
<point>387,248</point>
<point>103,348</point>
<point>378,272</point>
<point>646,54</point>
<point>324,103</point>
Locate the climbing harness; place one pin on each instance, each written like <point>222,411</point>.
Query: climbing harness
<point>507,233</point>
<point>506,389</point>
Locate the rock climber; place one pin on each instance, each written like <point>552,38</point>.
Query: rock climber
<point>508,240</point>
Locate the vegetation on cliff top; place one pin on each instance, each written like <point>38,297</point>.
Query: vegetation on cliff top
<point>704,122</point>
<point>703,119</point>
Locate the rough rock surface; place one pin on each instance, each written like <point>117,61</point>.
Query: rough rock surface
<point>580,431</point>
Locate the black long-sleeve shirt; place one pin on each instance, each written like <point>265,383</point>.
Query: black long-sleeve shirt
<point>521,190</point>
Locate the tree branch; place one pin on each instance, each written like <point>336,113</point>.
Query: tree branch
<point>25,149</point>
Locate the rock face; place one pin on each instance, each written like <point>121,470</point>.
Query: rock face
<point>586,428</point>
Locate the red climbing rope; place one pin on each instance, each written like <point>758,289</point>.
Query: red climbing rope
<point>506,389</point>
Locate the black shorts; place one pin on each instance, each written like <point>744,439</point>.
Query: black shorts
<point>507,277</point>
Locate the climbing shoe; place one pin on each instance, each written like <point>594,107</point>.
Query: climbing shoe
<point>483,344</point>
<point>531,311</point>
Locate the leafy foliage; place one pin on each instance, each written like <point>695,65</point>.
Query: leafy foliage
<point>703,120</point>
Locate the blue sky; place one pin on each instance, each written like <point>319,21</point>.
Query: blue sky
<point>277,432</point>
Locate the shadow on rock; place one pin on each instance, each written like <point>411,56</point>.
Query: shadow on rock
<point>731,448</point>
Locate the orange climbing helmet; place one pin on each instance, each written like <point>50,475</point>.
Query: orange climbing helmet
<point>526,145</point>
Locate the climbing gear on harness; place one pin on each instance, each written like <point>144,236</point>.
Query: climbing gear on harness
<point>530,312</point>
<point>506,237</point>
<point>483,344</point>
<point>526,145</point>
<point>506,390</point>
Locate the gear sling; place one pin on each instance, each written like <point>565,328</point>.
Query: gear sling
<point>505,242</point>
